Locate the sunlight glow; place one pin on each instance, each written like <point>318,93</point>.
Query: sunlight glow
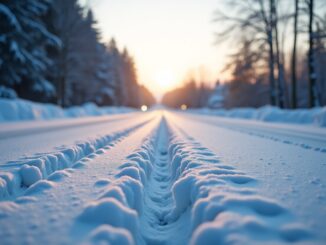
<point>167,42</point>
<point>165,79</point>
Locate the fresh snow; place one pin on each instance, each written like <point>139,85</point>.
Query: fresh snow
<point>162,177</point>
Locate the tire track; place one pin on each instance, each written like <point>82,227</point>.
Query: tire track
<point>15,178</point>
<point>173,190</point>
<point>222,202</point>
<point>158,201</point>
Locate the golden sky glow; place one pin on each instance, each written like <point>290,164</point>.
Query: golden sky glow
<point>169,39</point>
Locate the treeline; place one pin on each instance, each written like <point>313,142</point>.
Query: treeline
<point>267,67</point>
<point>279,57</point>
<point>193,94</point>
<point>50,51</point>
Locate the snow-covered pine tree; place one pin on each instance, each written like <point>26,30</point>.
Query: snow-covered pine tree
<point>91,59</point>
<point>77,62</point>
<point>116,72</point>
<point>130,80</point>
<point>23,40</point>
<point>105,91</point>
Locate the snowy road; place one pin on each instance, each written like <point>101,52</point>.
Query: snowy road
<point>162,178</point>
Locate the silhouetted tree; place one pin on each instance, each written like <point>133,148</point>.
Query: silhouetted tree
<point>190,94</point>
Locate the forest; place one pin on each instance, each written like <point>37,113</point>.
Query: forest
<point>278,57</point>
<point>51,51</point>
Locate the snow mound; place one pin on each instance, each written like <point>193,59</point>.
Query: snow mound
<point>59,175</point>
<point>128,190</point>
<point>18,109</point>
<point>30,174</point>
<point>102,182</point>
<point>106,234</point>
<point>112,212</point>
<point>40,187</point>
<point>315,116</point>
<point>133,172</point>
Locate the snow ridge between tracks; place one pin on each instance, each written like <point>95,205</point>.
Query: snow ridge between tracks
<point>114,216</point>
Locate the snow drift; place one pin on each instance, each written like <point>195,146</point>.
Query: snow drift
<point>18,109</point>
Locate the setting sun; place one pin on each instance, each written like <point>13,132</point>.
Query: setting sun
<point>165,79</point>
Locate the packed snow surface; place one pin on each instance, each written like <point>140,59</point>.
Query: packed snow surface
<point>162,178</point>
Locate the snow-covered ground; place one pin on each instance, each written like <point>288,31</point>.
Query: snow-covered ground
<point>316,116</point>
<point>162,177</point>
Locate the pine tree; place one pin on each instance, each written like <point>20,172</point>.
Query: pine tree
<point>105,94</point>
<point>23,43</point>
<point>130,80</point>
<point>75,72</point>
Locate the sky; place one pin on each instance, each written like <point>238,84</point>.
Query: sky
<point>169,40</point>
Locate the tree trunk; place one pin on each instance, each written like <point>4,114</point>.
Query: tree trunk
<point>313,100</point>
<point>271,57</point>
<point>63,72</point>
<point>280,95</point>
<point>294,57</point>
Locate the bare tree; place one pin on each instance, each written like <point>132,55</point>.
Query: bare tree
<point>294,56</point>
<point>279,62</point>
<point>256,20</point>
<point>313,98</point>
<point>269,22</point>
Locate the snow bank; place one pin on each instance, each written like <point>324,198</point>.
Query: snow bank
<point>316,116</point>
<point>223,203</point>
<point>18,109</point>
